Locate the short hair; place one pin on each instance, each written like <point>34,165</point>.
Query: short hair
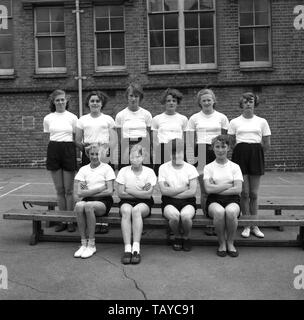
<point>101,147</point>
<point>171,92</point>
<point>223,138</point>
<point>136,89</point>
<point>53,96</point>
<point>101,95</point>
<point>139,149</point>
<point>202,93</point>
<point>177,146</point>
<point>248,96</point>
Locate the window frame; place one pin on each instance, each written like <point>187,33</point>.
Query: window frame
<point>108,68</point>
<point>256,64</point>
<point>54,70</point>
<point>183,66</point>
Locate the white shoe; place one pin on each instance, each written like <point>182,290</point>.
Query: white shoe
<point>246,232</point>
<point>88,252</point>
<point>257,232</point>
<point>79,252</point>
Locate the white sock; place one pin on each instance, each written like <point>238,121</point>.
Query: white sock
<point>135,247</point>
<point>91,243</point>
<point>84,242</point>
<point>128,248</point>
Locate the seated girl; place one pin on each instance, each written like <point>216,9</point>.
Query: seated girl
<point>223,183</point>
<point>178,182</point>
<point>95,187</point>
<point>135,188</point>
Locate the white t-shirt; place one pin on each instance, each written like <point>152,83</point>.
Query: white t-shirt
<point>249,130</point>
<point>169,127</point>
<point>96,129</point>
<point>177,178</point>
<point>60,125</point>
<point>223,173</point>
<point>208,126</point>
<point>133,123</point>
<point>127,177</point>
<point>95,177</point>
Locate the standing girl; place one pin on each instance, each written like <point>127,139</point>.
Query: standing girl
<point>252,135</point>
<point>61,152</point>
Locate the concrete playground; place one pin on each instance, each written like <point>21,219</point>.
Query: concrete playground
<point>49,271</point>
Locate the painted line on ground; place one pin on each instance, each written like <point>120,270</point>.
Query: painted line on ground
<point>31,195</point>
<point>5,194</point>
<point>22,182</point>
<point>284,180</point>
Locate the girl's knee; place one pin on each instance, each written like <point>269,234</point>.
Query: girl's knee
<point>232,213</point>
<point>88,208</point>
<point>79,206</point>
<point>253,196</point>
<point>126,214</point>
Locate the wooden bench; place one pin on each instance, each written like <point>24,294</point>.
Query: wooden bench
<point>156,220</point>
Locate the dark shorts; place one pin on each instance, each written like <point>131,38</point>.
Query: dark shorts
<point>179,204</point>
<point>136,201</point>
<point>250,158</point>
<point>107,201</point>
<point>61,155</point>
<point>209,153</point>
<point>223,200</point>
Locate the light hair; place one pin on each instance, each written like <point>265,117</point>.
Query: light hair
<point>202,93</point>
<point>101,147</point>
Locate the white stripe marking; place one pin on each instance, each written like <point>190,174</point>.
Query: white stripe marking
<point>284,180</point>
<point>3,195</point>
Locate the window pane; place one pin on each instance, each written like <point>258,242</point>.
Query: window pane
<point>191,20</point>
<point>102,24</point>
<point>261,53</point>
<point>191,5</point>
<point>43,27</point>
<point>103,57</point>
<point>192,55</point>
<point>246,53</point>
<point>44,60</point>
<point>57,27</point>
<point>206,4</point>
<point>101,11</point>
<point>118,57</point>
<point>157,56</point>
<point>44,44</point>
<point>171,56</point>
<point>246,5</point>
<point>116,11</point>
<point>59,59</point>
<point>261,35</point>
<point>246,36</point>
<point>6,61</point>
<point>261,18</point>
<point>57,14</point>
<point>171,21</point>
<point>191,38</point>
<point>58,43</point>
<point>156,39</point>
<point>118,40</point>
<point>207,37</point>
<point>207,55</point>
<point>42,14</point>
<point>6,43</point>
<point>117,24</point>
<point>261,5</point>
<point>170,5</point>
<point>171,38</point>
<point>206,20</point>
<point>103,40</point>
<point>155,5</point>
<point>246,19</point>
<point>156,22</point>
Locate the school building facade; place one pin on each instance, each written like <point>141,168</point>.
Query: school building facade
<point>231,46</point>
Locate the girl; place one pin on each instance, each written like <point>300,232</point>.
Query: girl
<point>135,188</point>
<point>177,182</point>
<point>95,187</point>
<point>252,135</point>
<point>61,151</point>
<point>223,183</point>
<point>167,126</point>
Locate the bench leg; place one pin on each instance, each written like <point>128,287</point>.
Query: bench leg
<point>168,233</point>
<point>37,231</point>
<point>278,212</point>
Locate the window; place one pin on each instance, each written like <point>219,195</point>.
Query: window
<point>109,38</point>
<point>181,34</point>
<point>255,33</point>
<point>50,40</point>
<point>6,38</point>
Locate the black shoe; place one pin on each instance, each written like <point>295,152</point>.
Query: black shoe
<point>60,227</point>
<point>104,228</point>
<point>233,254</point>
<point>187,245</point>
<point>136,258</point>
<point>126,258</point>
<point>177,244</point>
<point>221,253</point>
<point>71,227</point>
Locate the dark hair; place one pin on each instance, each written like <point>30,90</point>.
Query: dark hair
<point>53,96</point>
<point>101,95</point>
<point>248,96</point>
<point>223,138</point>
<point>171,92</point>
<point>136,89</point>
<point>177,146</point>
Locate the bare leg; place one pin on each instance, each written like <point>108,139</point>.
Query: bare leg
<point>187,214</point>
<point>139,212</point>
<point>57,177</point>
<point>254,184</point>
<point>232,212</point>
<point>81,219</point>
<point>93,208</point>
<point>68,182</point>
<point>173,215</point>
<point>126,213</point>
<point>245,196</point>
<point>217,212</point>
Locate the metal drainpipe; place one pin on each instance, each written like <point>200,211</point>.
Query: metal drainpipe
<point>79,77</point>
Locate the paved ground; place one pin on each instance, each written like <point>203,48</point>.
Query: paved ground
<point>49,271</point>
